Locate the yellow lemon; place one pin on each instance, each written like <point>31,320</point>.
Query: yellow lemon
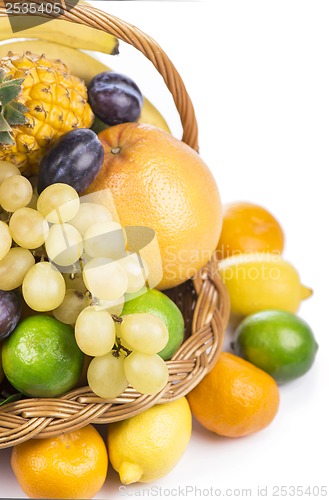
<point>147,446</point>
<point>259,281</point>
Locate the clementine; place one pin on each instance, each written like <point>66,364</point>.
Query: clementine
<point>248,227</point>
<point>235,398</point>
<point>157,181</point>
<point>72,465</point>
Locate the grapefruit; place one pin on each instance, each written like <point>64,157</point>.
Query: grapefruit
<point>159,182</point>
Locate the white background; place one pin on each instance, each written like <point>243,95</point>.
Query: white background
<point>257,73</point>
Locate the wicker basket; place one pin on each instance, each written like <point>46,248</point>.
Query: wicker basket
<point>203,301</point>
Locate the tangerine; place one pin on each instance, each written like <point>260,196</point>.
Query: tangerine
<point>248,227</point>
<point>235,398</point>
<point>72,465</point>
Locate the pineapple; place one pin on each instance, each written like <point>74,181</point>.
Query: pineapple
<point>39,101</point>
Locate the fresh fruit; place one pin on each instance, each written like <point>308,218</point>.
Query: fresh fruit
<point>106,376</point>
<point>144,332</point>
<point>47,101</point>
<point>28,228</point>
<point>147,168</point>
<point>146,447</point>
<point>58,203</point>
<point>64,244</point>
<point>248,227</point>
<point>105,239</point>
<point>43,287</point>
<point>2,375</point>
<point>10,312</point>
<point>85,67</point>
<point>235,398</point>
<point>259,281</point>
<point>115,98</point>
<point>87,214</point>
<point>79,63</point>
<point>7,169</point>
<point>14,266</point>
<point>152,116</point>
<point>136,270</point>
<point>41,358</point>
<point>95,331</point>
<point>71,465</point>
<point>158,304</point>
<point>74,159</point>
<point>5,240</point>
<point>105,278</point>
<point>15,192</point>
<point>63,33</point>
<point>147,373</point>
<point>73,304</point>
<point>278,342</point>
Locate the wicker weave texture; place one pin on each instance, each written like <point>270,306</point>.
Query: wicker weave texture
<point>203,301</point>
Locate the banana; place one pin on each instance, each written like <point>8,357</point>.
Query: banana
<point>72,35</point>
<point>85,67</point>
<point>152,116</point>
<point>79,63</point>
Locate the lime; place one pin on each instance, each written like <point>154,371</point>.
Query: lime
<point>41,357</point>
<point>157,303</point>
<point>278,342</point>
<point>1,370</point>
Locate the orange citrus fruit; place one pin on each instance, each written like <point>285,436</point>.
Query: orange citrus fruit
<point>159,182</point>
<point>248,227</point>
<point>235,398</point>
<point>72,465</point>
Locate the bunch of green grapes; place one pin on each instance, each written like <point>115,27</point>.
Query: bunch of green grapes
<point>82,279</point>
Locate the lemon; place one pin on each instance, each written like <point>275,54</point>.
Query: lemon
<point>147,446</point>
<point>259,281</point>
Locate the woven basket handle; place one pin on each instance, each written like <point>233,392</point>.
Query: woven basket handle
<point>88,15</point>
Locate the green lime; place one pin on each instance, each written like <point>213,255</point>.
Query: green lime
<point>41,357</point>
<point>1,370</point>
<point>157,303</point>
<point>278,342</point>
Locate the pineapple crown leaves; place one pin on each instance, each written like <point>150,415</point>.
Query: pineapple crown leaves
<point>12,112</point>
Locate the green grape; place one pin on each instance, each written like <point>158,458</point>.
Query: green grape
<point>95,331</point>
<point>112,306</point>
<point>43,287</point>
<point>73,304</point>
<point>28,228</point>
<point>13,268</point>
<point>106,376</point>
<point>87,215</point>
<point>7,169</point>
<point>144,332</point>
<point>136,271</point>
<point>15,192</point>
<point>105,279</point>
<point>105,239</point>
<point>5,239</point>
<point>64,245</point>
<point>58,203</point>
<point>147,373</point>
